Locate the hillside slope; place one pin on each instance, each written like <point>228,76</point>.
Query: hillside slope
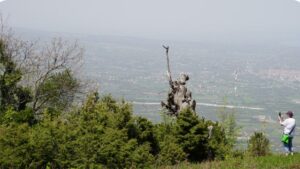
<point>268,162</point>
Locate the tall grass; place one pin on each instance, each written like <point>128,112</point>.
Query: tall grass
<point>266,162</point>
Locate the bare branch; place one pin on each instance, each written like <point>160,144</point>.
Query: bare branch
<point>168,64</point>
<point>39,61</point>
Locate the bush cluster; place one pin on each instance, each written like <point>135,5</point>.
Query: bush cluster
<point>104,133</point>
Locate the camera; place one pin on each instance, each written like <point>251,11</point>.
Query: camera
<point>279,114</point>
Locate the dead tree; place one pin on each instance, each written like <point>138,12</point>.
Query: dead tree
<point>179,97</point>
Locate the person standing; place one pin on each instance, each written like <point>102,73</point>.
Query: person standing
<point>289,125</point>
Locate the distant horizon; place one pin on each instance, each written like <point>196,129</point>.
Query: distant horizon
<point>172,40</point>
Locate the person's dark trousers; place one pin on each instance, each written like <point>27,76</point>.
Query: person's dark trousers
<point>288,147</point>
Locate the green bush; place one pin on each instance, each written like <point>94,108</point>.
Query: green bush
<point>220,146</point>
<point>227,121</point>
<point>104,134</point>
<point>170,152</point>
<point>259,144</point>
<point>100,136</point>
<point>142,130</point>
<point>109,135</point>
<point>13,96</point>
<point>193,137</point>
<point>15,148</point>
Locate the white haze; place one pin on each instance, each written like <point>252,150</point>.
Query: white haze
<point>176,19</point>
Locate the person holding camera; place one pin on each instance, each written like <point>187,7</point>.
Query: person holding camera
<point>289,125</point>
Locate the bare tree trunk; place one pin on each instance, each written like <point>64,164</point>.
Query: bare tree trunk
<point>168,66</point>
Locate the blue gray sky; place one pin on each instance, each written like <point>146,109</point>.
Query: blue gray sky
<point>177,19</point>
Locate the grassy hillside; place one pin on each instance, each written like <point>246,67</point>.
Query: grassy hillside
<point>268,162</point>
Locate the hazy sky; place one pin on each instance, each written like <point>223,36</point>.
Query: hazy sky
<point>183,19</point>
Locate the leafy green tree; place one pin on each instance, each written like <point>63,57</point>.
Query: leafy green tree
<point>52,78</point>
<point>58,90</point>
<point>220,146</point>
<point>171,152</point>
<point>110,137</point>
<point>13,97</point>
<point>142,130</point>
<point>37,78</point>
<point>197,142</point>
<point>192,134</point>
<point>95,138</point>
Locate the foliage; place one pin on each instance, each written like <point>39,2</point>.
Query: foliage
<point>259,144</point>
<point>227,121</point>
<point>32,80</point>
<point>58,90</point>
<point>22,116</point>
<point>219,145</point>
<point>171,152</point>
<point>103,133</point>
<point>12,95</point>
<point>193,136</point>
<point>14,145</point>
<point>99,137</point>
<point>142,130</point>
<point>51,75</point>
<point>110,137</point>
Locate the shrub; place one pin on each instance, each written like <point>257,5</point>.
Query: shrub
<point>193,136</point>
<point>142,130</point>
<point>258,145</point>
<point>15,148</point>
<point>227,121</point>
<point>104,134</point>
<point>170,152</point>
<point>220,146</point>
<point>109,136</point>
